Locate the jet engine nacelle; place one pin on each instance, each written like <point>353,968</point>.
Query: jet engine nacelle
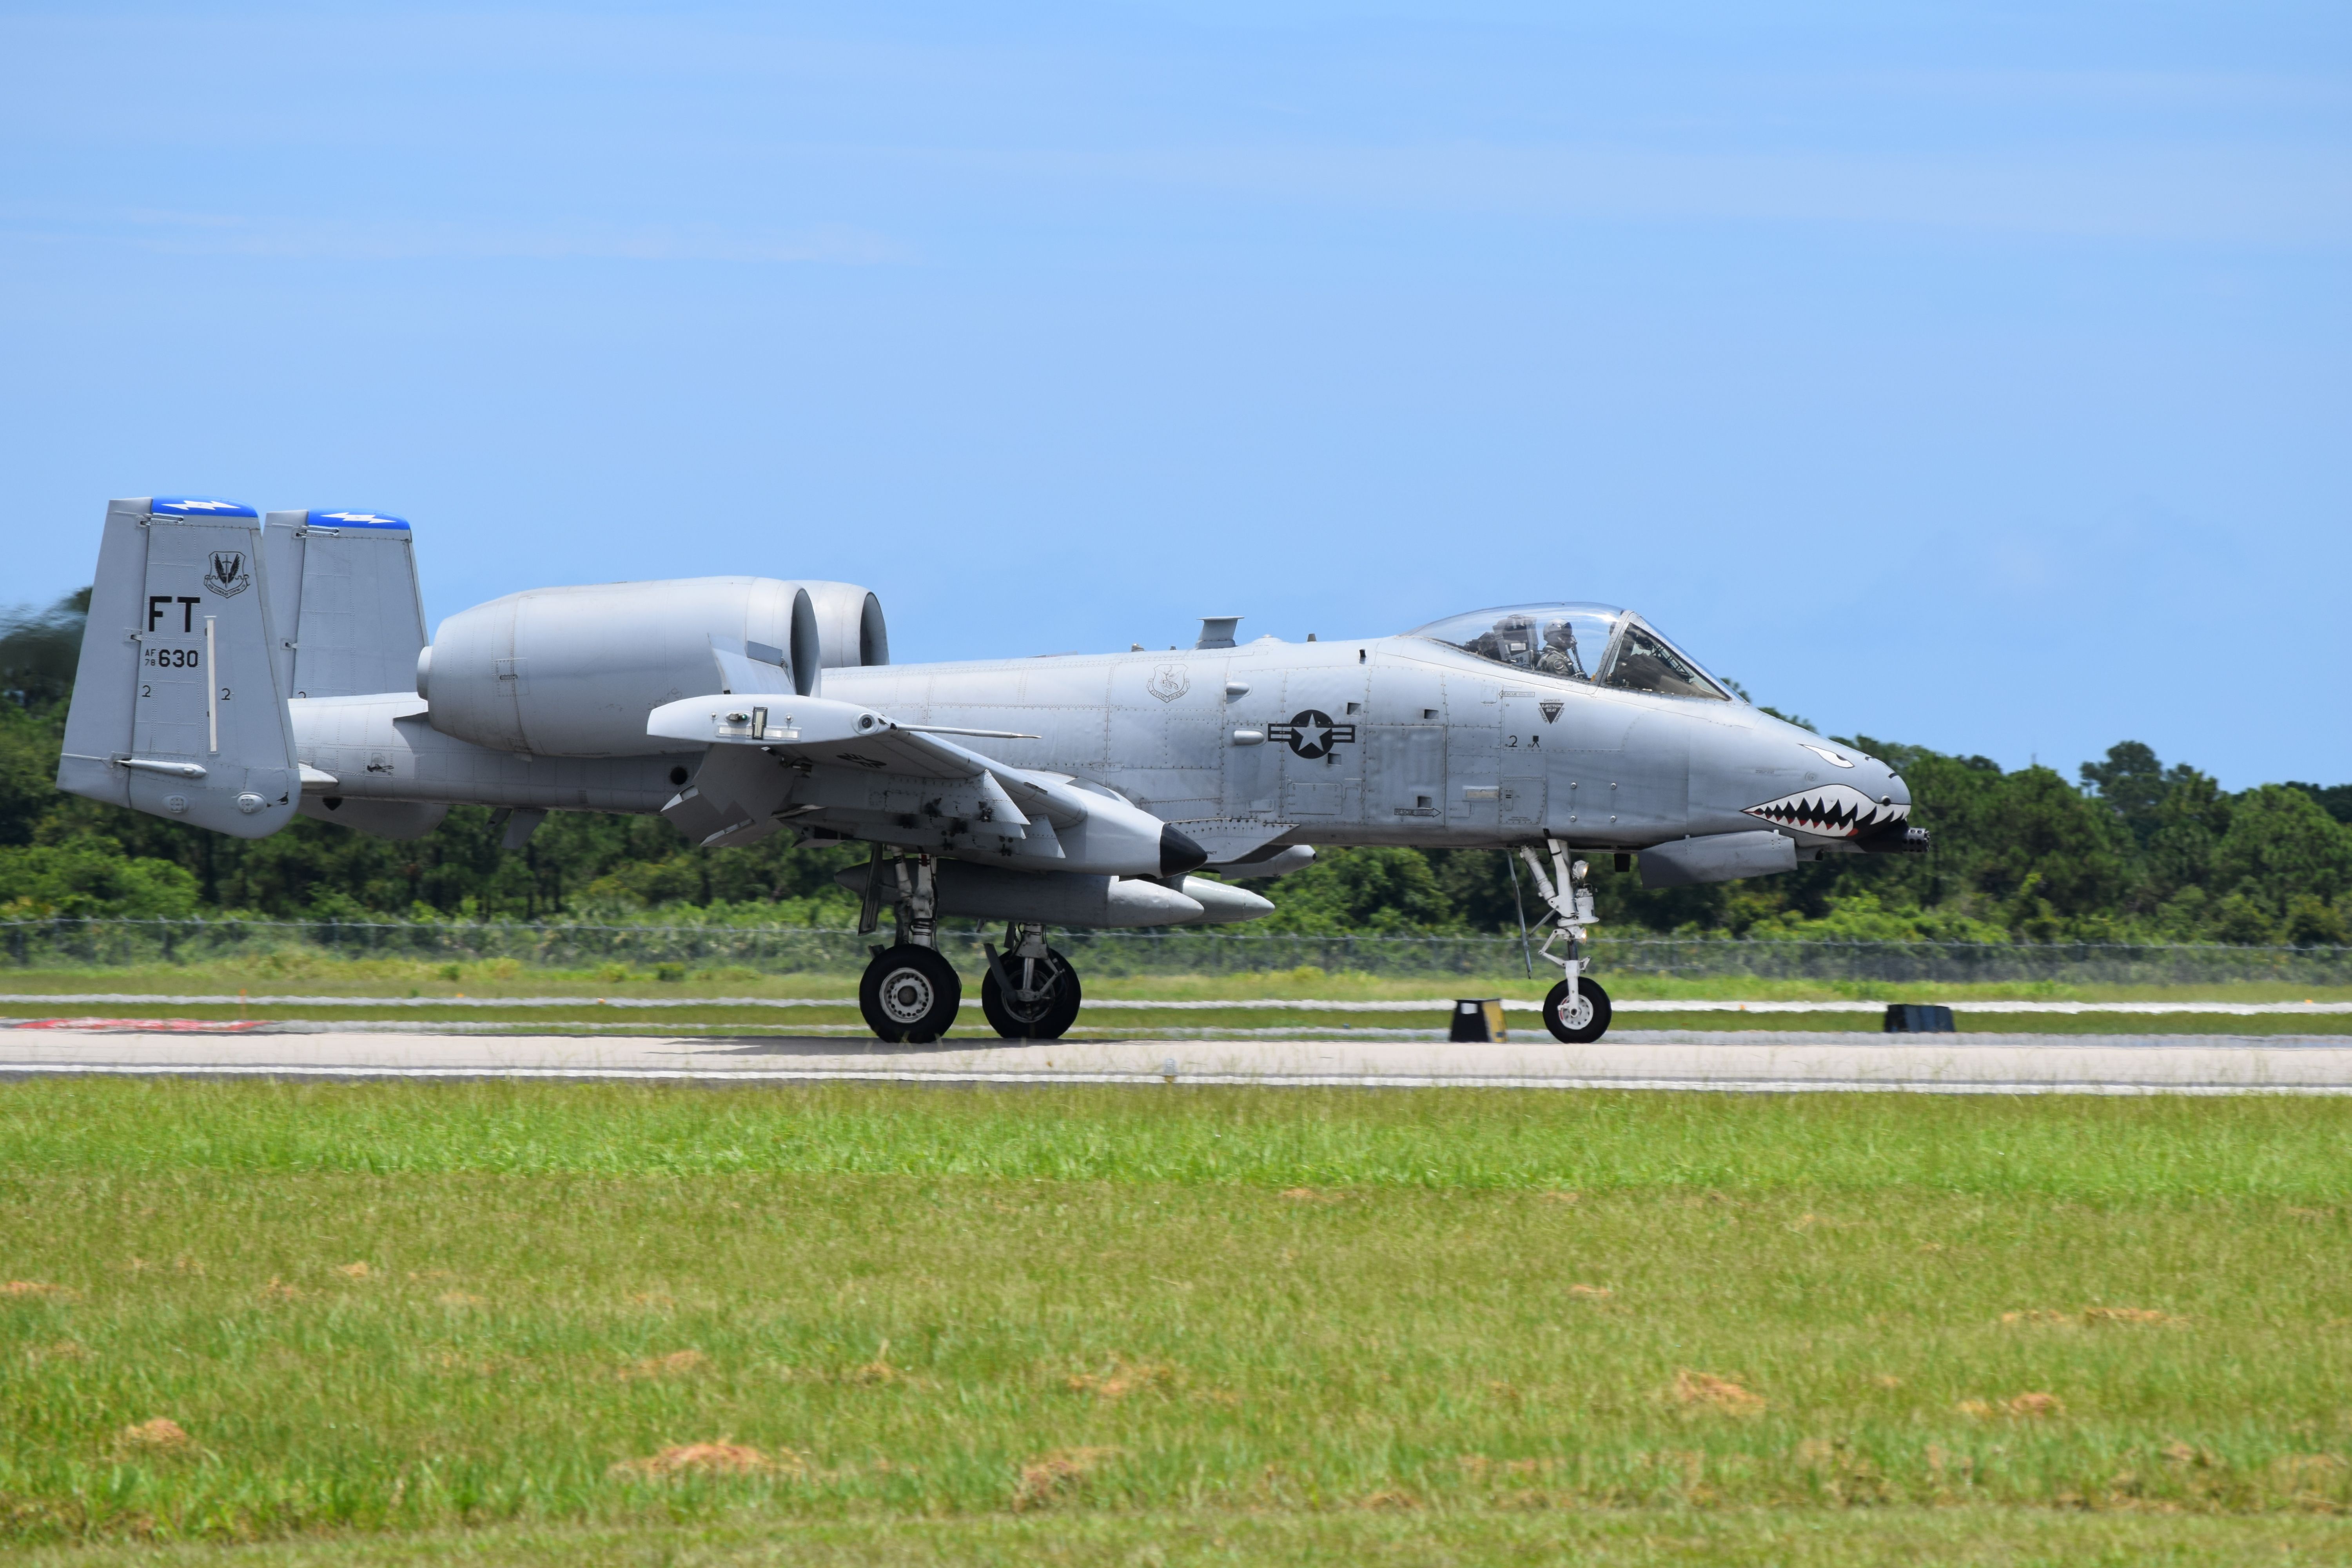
<point>572,672</point>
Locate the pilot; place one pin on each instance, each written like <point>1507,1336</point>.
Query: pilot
<point>1559,656</point>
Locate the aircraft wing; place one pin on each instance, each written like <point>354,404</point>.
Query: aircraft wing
<point>776,758</point>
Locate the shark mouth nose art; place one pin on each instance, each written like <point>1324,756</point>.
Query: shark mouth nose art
<point>1832,811</point>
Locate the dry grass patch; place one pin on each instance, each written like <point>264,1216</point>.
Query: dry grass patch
<point>1844,1474</point>
<point>2305,1472</point>
<point>2128,1315</point>
<point>160,1435</point>
<point>1060,1474</point>
<point>1479,1467</point>
<point>1124,1377</point>
<point>25,1289</point>
<point>2029,1405</point>
<point>678,1363</point>
<point>278,1290</point>
<point>1590,1292</point>
<point>877,1371</point>
<point>2091,1316</point>
<point>1703,1391</point>
<point>355,1271</point>
<point>688,1460</point>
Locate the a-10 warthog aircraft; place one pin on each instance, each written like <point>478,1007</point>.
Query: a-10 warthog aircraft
<point>239,669</point>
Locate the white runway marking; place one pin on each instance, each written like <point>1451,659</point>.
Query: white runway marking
<point>1745,1061</point>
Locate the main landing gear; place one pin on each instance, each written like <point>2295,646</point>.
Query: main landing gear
<point>910,994</point>
<point>1030,992</point>
<point>1576,1010</point>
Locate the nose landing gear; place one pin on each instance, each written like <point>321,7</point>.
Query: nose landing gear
<point>1576,1010</point>
<point>1577,1013</point>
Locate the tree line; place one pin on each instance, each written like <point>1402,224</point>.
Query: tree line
<point>2131,850</point>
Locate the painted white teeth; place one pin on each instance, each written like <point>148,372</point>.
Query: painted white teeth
<point>1830,811</point>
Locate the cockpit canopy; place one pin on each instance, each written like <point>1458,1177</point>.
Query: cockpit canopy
<point>1597,642</point>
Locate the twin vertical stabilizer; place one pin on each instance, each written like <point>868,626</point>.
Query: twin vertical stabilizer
<point>343,602</point>
<point>177,709</point>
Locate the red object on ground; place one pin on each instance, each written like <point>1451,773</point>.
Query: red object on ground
<point>145,1025</point>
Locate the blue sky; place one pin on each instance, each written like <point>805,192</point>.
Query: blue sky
<point>1972,376</point>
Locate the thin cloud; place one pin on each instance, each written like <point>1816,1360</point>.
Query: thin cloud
<point>212,233</point>
<point>2261,196</point>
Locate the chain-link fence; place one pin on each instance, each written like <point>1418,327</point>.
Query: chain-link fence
<point>788,950</point>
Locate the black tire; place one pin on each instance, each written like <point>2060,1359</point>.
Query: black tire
<point>1573,1029</point>
<point>1048,1015</point>
<point>909,994</point>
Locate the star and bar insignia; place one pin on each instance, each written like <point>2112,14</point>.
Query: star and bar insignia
<point>1311,734</point>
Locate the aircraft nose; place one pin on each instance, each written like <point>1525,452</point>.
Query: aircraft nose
<point>1884,784</point>
<point>1846,792</point>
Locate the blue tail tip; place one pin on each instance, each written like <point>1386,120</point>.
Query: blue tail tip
<point>349,519</point>
<point>200,506</point>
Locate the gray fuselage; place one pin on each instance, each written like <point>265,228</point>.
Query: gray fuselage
<point>1428,745</point>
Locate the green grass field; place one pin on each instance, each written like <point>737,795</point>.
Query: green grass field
<point>394,1323</point>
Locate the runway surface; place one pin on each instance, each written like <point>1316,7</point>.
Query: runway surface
<point>1750,1061</point>
<point>1138,1004</point>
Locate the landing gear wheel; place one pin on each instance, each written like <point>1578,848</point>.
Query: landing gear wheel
<point>1048,1009</point>
<point>1577,1019</point>
<point>909,994</point>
